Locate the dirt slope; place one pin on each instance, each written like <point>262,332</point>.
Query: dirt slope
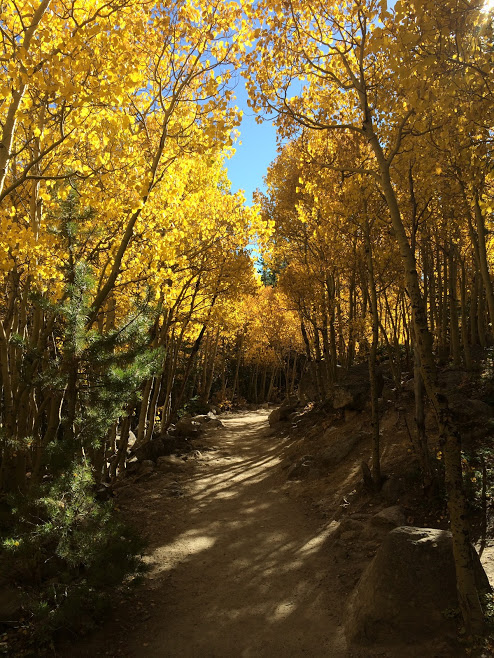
<point>239,566</point>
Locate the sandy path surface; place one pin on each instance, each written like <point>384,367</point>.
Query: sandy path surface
<point>246,575</point>
<point>237,567</point>
<point>240,564</point>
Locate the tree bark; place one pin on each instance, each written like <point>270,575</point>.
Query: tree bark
<point>467,354</point>
<point>467,589</point>
<point>453,310</point>
<point>484,265</point>
<point>376,456</point>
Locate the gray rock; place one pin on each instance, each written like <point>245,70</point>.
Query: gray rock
<point>406,588</point>
<point>391,517</point>
<point>207,422</point>
<point>282,412</point>
<point>131,441</point>
<point>202,419</point>
<point>341,397</point>
<point>188,427</point>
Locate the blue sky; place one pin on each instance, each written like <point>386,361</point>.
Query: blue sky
<point>256,152</point>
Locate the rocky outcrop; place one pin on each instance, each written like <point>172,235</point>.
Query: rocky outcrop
<point>408,590</point>
<point>381,523</point>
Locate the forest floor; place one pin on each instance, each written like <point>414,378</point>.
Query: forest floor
<point>240,563</point>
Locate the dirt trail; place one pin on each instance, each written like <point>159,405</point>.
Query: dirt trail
<point>237,567</point>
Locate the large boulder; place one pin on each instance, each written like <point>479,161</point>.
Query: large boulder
<point>161,445</point>
<point>208,421</point>
<point>353,389</point>
<point>408,590</point>
<point>188,427</point>
<point>282,412</point>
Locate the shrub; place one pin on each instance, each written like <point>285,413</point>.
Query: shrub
<point>68,551</point>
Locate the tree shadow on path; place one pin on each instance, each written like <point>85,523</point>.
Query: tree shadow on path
<point>248,575</point>
<point>238,569</point>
